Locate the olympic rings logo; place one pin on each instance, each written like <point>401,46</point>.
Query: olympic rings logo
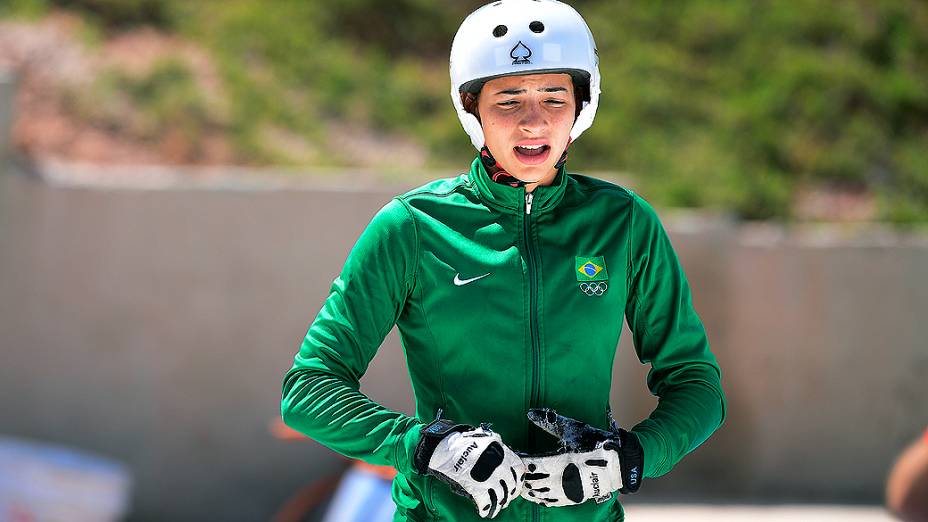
<point>596,288</point>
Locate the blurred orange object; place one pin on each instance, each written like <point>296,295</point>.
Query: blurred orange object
<point>283,432</point>
<point>309,497</point>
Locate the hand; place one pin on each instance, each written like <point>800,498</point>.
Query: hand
<point>474,462</point>
<point>591,464</point>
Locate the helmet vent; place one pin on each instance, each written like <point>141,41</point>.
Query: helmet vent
<point>500,31</point>
<point>536,26</point>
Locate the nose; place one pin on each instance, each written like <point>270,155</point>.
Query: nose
<point>533,119</point>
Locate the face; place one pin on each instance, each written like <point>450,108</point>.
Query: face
<point>526,122</point>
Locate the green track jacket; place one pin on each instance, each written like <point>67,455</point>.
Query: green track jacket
<point>505,300</point>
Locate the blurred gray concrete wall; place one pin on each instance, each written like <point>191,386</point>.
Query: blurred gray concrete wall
<point>7,93</point>
<point>155,327</point>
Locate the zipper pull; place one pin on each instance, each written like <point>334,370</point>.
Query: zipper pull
<point>528,203</point>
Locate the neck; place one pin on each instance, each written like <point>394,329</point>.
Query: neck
<point>500,175</point>
<point>547,180</point>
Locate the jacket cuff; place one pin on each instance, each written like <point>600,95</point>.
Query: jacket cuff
<point>405,449</point>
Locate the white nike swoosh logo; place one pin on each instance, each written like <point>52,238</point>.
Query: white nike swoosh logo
<point>459,282</point>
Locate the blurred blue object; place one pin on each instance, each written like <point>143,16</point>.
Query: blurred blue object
<point>362,496</point>
<point>43,482</point>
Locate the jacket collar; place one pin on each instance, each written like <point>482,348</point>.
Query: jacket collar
<point>512,199</point>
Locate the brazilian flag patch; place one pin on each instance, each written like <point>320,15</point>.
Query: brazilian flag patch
<point>589,268</point>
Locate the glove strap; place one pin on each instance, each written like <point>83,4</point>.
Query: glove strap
<point>631,457</point>
<point>432,434</point>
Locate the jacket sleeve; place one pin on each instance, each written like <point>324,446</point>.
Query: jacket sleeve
<point>321,396</point>
<point>668,334</point>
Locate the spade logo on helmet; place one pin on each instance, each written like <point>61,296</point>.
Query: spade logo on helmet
<point>520,54</point>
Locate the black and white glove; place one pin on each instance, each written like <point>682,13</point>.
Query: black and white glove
<point>474,462</point>
<point>591,464</point>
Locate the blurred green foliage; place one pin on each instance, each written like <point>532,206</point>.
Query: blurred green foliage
<point>729,105</point>
<point>163,103</point>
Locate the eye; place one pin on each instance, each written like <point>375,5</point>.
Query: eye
<point>500,31</point>
<point>508,103</point>
<point>536,26</point>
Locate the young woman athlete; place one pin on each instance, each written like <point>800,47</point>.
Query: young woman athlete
<point>508,284</point>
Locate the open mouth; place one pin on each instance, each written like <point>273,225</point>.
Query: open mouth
<point>532,154</point>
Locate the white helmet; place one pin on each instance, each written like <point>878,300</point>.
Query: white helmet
<point>511,37</point>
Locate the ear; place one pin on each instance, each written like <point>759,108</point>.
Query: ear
<point>471,103</point>
<point>581,95</point>
<point>469,121</point>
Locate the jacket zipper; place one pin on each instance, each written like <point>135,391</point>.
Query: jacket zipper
<point>533,319</point>
<point>533,298</point>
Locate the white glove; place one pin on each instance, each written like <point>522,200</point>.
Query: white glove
<point>568,478</point>
<point>591,463</point>
<point>474,463</point>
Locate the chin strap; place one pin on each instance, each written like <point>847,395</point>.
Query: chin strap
<point>498,173</point>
